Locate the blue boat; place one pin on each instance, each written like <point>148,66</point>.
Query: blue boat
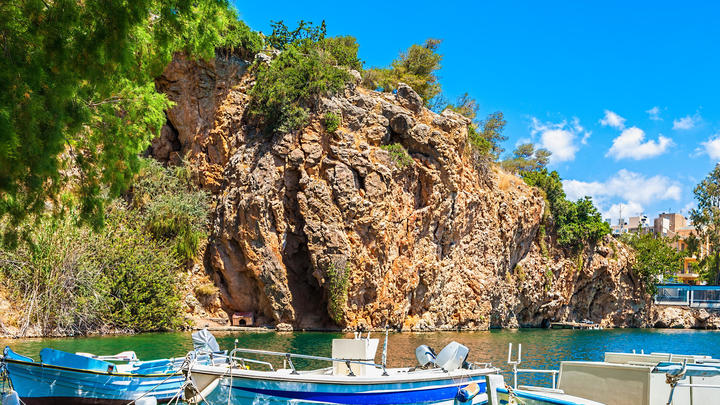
<point>66,378</point>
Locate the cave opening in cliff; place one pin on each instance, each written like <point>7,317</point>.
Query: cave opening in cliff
<point>307,295</point>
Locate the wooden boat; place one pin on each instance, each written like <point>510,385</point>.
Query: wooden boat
<point>66,378</point>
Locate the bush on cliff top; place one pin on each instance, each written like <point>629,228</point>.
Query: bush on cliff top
<point>309,66</point>
<point>416,67</point>
<point>70,279</point>
<point>575,223</point>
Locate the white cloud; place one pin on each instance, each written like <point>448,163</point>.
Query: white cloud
<point>634,190</point>
<point>687,122</point>
<point>627,185</point>
<point>687,208</point>
<point>712,147</point>
<point>559,138</point>
<point>613,120</point>
<point>631,144</point>
<point>654,113</point>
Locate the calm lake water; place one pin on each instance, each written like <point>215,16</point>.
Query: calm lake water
<point>541,348</point>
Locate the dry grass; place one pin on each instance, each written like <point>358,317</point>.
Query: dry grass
<point>507,180</point>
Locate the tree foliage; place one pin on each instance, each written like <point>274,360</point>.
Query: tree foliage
<point>706,218</point>
<point>484,136</point>
<point>575,223</point>
<point>72,280</point>
<point>77,94</point>
<point>654,257</point>
<point>417,67</point>
<point>526,159</point>
<point>310,66</point>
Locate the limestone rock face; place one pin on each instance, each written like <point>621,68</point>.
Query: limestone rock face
<point>436,244</point>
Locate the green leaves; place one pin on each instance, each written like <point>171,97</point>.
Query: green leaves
<point>416,67</point>
<point>77,95</point>
<point>310,66</point>
<point>706,219</point>
<point>654,256</point>
<point>575,223</point>
<point>70,279</point>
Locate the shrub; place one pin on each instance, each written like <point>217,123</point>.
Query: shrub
<point>399,155</point>
<point>309,67</point>
<point>332,122</point>
<point>206,290</point>
<point>337,291</point>
<point>654,257</point>
<point>416,67</point>
<point>484,137</point>
<point>171,208</point>
<point>69,279</point>
<point>575,223</point>
<point>548,279</point>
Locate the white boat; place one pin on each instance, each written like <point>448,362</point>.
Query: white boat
<point>353,378</point>
<point>638,379</point>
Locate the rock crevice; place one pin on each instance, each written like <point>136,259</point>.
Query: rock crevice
<point>437,244</point>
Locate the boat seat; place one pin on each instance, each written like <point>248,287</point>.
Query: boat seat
<point>70,360</point>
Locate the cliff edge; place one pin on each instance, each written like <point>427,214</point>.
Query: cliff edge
<point>316,229</point>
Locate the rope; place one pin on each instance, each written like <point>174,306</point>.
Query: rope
<point>6,381</point>
<point>158,384</point>
<point>513,398</point>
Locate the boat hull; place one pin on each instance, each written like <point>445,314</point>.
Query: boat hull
<point>36,383</point>
<point>254,389</point>
<point>539,398</point>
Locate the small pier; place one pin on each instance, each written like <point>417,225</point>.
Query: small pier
<point>574,325</point>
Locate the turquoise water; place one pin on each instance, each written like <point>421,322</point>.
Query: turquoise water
<point>541,348</point>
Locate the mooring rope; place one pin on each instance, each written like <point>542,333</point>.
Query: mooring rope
<point>160,383</point>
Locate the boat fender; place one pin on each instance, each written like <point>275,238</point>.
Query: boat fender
<point>11,398</point>
<point>146,401</point>
<point>468,393</point>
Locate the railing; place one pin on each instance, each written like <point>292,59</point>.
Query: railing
<point>516,370</point>
<point>696,296</point>
<point>289,356</point>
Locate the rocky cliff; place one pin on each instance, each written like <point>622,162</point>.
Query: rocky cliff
<point>311,218</point>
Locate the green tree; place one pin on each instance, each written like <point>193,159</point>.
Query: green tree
<point>416,67</point>
<point>310,66</point>
<point>654,257</point>
<point>575,223</point>
<point>693,245</point>
<point>77,93</point>
<point>526,159</point>
<point>706,218</point>
<point>484,136</point>
<point>492,131</point>
<point>74,280</point>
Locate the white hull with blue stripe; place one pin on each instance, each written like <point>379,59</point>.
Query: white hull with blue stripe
<point>400,386</point>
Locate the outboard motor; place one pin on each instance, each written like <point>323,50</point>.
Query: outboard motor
<point>452,356</point>
<point>425,355</point>
<point>203,340</point>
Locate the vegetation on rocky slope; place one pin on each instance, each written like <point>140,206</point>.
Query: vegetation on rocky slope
<point>70,279</point>
<point>576,224</point>
<point>309,66</point>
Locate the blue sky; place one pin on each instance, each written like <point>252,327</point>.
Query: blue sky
<point>625,94</point>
